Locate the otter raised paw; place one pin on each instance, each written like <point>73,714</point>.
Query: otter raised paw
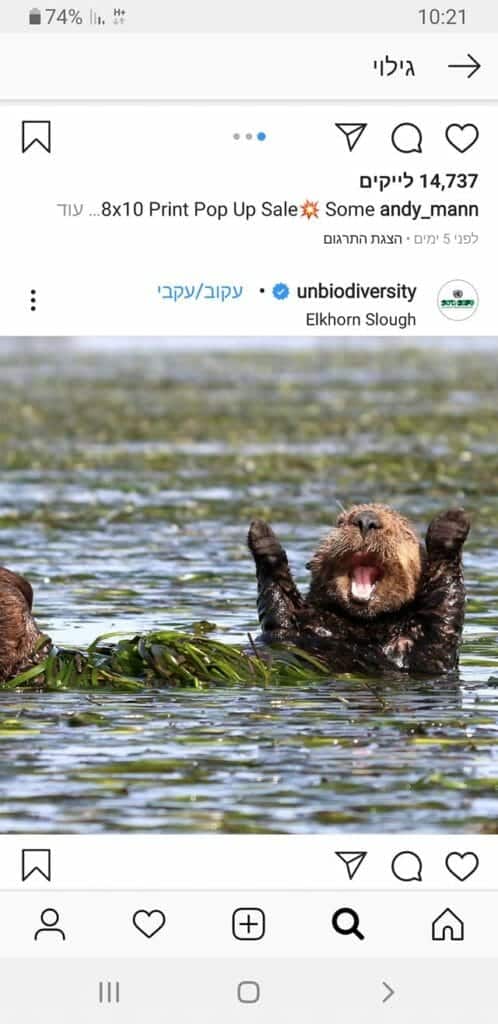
<point>263,543</point>
<point>447,533</point>
<point>279,600</point>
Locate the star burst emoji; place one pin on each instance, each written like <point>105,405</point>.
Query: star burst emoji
<point>309,209</point>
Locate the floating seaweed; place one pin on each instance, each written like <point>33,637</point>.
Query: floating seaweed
<point>168,658</point>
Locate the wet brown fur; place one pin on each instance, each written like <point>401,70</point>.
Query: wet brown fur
<point>393,548</point>
<point>19,633</point>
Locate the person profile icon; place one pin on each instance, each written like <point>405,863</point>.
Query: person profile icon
<point>50,920</point>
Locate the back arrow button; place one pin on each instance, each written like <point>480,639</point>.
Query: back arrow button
<point>471,68</point>
<point>389,993</point>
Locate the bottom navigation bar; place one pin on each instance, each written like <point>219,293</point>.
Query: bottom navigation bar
<point>225,992</point>
<point>271,925</point>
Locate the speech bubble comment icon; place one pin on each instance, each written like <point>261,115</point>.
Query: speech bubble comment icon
<point>407,866</point>
<point>407,138</point>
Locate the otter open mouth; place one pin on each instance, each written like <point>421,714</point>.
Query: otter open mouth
<point>364,576</point>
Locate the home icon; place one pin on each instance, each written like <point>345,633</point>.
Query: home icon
<point>447,926</point>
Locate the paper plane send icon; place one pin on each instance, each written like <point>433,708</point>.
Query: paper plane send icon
<point>353,859</point>
<point>352,132</point>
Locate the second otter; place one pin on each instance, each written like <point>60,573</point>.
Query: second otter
<point>379,600</point>
<point>22,643</point>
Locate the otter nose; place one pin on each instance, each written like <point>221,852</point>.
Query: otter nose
<point>366,521</point>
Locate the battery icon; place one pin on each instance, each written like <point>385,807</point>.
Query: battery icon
<point>35,16</point>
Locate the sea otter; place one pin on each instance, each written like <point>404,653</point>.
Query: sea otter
<point>379,600</point>
<point>21,642</point>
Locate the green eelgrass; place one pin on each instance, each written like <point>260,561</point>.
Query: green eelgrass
<point>168,659</point>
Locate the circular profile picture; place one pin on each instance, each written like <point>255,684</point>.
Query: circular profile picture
<point>457,300</point>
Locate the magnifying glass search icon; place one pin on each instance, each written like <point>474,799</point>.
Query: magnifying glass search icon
<point>347,922</point>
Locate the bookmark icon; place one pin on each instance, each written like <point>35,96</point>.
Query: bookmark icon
<point>36,862</point>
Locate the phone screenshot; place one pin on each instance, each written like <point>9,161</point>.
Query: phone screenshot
<point>248,513</point>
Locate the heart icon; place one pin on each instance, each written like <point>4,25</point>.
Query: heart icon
<point>462,865</point>
<point>149,922</point>
<point>462,136</point>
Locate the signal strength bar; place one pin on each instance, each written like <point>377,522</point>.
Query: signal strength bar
<point>95,18</point>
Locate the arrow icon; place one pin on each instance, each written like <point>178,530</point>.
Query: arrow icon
<point>390,992</point>
<point>353,859</point>
<point>353,132</point>
<point>471,68</point>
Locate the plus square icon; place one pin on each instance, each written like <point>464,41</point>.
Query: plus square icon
<point>248,924</point>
